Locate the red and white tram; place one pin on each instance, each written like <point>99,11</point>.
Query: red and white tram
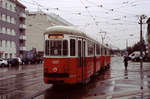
<point>71,56</point>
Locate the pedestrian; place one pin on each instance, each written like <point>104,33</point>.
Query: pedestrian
<point>125,62</point>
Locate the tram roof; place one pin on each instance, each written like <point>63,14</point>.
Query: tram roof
<point>68,30</point>
<point>64,30</point>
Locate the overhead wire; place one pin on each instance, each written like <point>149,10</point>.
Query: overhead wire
<point>59,8</point>
<point>35,3</point>
<point>91,17</point>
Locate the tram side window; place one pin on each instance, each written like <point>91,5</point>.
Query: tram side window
<point>47,47</point>
<point>105,51</point>
<point>101,51</point>
<point>108,52</point>
<point>72,47</point>
<point>97,49</point>
<point>65,47</point>
<point>90,48</point>
<point>79,48</point>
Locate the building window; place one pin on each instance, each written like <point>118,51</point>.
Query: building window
<point>13,32</point>
<point>10,7</point>
<point>3,30</point>
<point>1,55</point>
<point>10,44</point>
<point>0,43</point>
<point>6,5</point>
<point>1,3</point>
<point>12,20</point>
<point>3,17</point>
<point>0,16</point>
<point>13,8</point>
<point>8,19</point>
<point>8,31</point>
<point>6,55</point>
<point>6,43</point>
<point>0,29</point>
<point>10,55</point>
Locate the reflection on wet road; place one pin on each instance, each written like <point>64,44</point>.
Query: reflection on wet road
<point>25,82</point>
<point>16,82</point>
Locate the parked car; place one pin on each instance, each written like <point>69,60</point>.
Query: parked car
<point>136,56</point>
<point>3,62</point>
<point>13,61</point>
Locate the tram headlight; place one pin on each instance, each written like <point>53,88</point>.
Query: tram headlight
<point>55,69</point>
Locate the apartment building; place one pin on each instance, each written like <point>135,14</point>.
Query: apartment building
<point>37,22</point>
<point>12,29</point>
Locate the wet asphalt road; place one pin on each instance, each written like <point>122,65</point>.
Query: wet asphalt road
<point>25,82</point>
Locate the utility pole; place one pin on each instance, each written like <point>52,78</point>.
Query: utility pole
<point>126,43</point>
<point>141,36</point>
<point>141,41</point>
<point>126,53</point>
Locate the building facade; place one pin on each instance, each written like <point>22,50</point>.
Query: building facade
<point>148,36</point>
<point>37,22</point>
<point>12,28</point>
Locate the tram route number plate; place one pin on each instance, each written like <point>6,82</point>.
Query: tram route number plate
<point>55,62</point>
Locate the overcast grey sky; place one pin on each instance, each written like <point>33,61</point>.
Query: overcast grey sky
<point>119,18</point>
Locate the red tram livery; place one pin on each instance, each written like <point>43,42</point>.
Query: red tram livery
<point>71,56</point>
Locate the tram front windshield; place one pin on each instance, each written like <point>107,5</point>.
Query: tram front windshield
<point>56,47</point>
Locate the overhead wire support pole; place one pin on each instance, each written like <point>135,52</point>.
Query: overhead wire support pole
<point>127,44</point>
<point>141,51</point>
<point>141,37</point>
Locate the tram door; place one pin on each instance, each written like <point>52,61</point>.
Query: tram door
<point>81,56</point>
